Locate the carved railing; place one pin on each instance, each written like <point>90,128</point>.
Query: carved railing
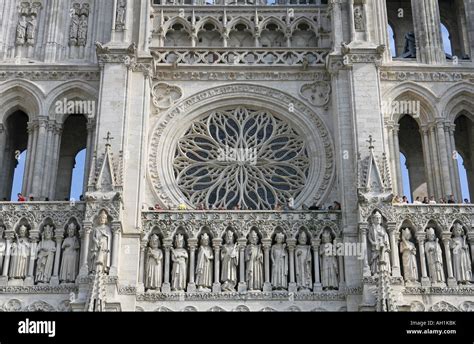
<point>239,2</point>
<point>35,213</point>
<point>239,57</point>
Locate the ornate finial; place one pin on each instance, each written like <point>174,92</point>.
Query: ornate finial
<point>108,139</point>
<point>371,142</point>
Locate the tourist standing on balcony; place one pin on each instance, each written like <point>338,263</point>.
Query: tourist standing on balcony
<point>21,198</point>
<point>432,200</point>
<point>451,200</point>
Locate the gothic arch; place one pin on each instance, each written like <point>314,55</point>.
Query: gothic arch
<point>71,90</point>
<point>456,99</point>
<point>21,95</point>
<point>294,25</point>
<point>211,20</point>
<point>413,91</point>
<point>177,20</point>
<point>240,20</point>
<point>272,19</point>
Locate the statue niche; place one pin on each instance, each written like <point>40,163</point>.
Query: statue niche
<point>101,245</point>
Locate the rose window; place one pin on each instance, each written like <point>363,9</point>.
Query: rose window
<point>241,157</point>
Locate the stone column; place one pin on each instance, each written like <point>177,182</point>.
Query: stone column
<point>315,243</point>
<point>438,192</point>
<point>363,228</point>
<point>3,142</point>
<point>394,236</point>
<point>192,244</point>
<point>446,236</point>
<point>444,158</point>
<point>242,287</point>
<point>29,164</point>
<point>114,261</point>
<point>427,158</point>
<point>291,243</point>
<point>267,245</point>
<point>340,261</point>
<point>216,244</point>
<point>380,27</point>
<point>58,129</point>
<point>30,278</point>
<point>350,7</point>
<point>47,164</point>
<point>89,148</point>
<point>429,48</point>
<point>59,235</point>
<point>85,233</point>
<point>425,280</point>
<point>398,168</point>
<point>166,287</point>
<point>471,245</point>
<point>141,270</point>
<point>451,160</point>
<point>337,32</point>
<point>391,154</point>
<point>457,181</point>
<point>9,235</point>
<point>40,154</point>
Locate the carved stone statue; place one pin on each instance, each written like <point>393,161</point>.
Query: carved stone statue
<point>279,258</point>
<point>82,31</point>
<point>408,252</point>
<point>101,246</point>
<point>409,51</point>
<point>204,265</point>
<point>380,245</point>
<point>461,259</point>
<point>329,267</point>
<point>229,262</point>
<point>304,279</point>
<point>120,17</point>
<point>154,264</point>
<point>358,18</point>
<point>434,257</point>
<point>21,30</point>
<point>70,256</point>
<point>31,30</point>
<point>3,246</point>
<point>45,252</point>
<point>19,255</point>
<point>179,257</point>
<point>73,29</point>
<point>254,261</point>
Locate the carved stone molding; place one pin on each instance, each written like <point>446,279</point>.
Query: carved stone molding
<point>165,95</point>
<point>240,75</point>
<point>40,75</point>
<point>428,76</point>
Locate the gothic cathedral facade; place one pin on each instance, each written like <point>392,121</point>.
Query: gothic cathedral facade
<point>238,155</point>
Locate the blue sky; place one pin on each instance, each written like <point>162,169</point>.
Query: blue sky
<point>78,172</point>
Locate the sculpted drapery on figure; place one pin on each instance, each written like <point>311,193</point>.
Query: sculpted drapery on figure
<point>21,30</point>
<point>408,252</point>
<point>70,256</point>
<point>254,261</point>
<point>329,267</point>
<point>304,279</point>
<point>204,265</point>
<point>434,257</point>
<point>3,246</point>
<point>101,245</point>
<point>461,259</point>
<point>229,262</point>
<point>279,258</point>
<point>19,254</point>
<point>45,252</point>
<point>380,245</point>
<point>179,257</point>
<point>31,30</point>
<point>154,264</point>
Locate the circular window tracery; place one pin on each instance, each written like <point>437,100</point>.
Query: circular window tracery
<point>241,157</point>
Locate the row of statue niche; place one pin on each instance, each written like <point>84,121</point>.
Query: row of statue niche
<point>45,255</point>
<point>229,261</point>
<point>460,256</point>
